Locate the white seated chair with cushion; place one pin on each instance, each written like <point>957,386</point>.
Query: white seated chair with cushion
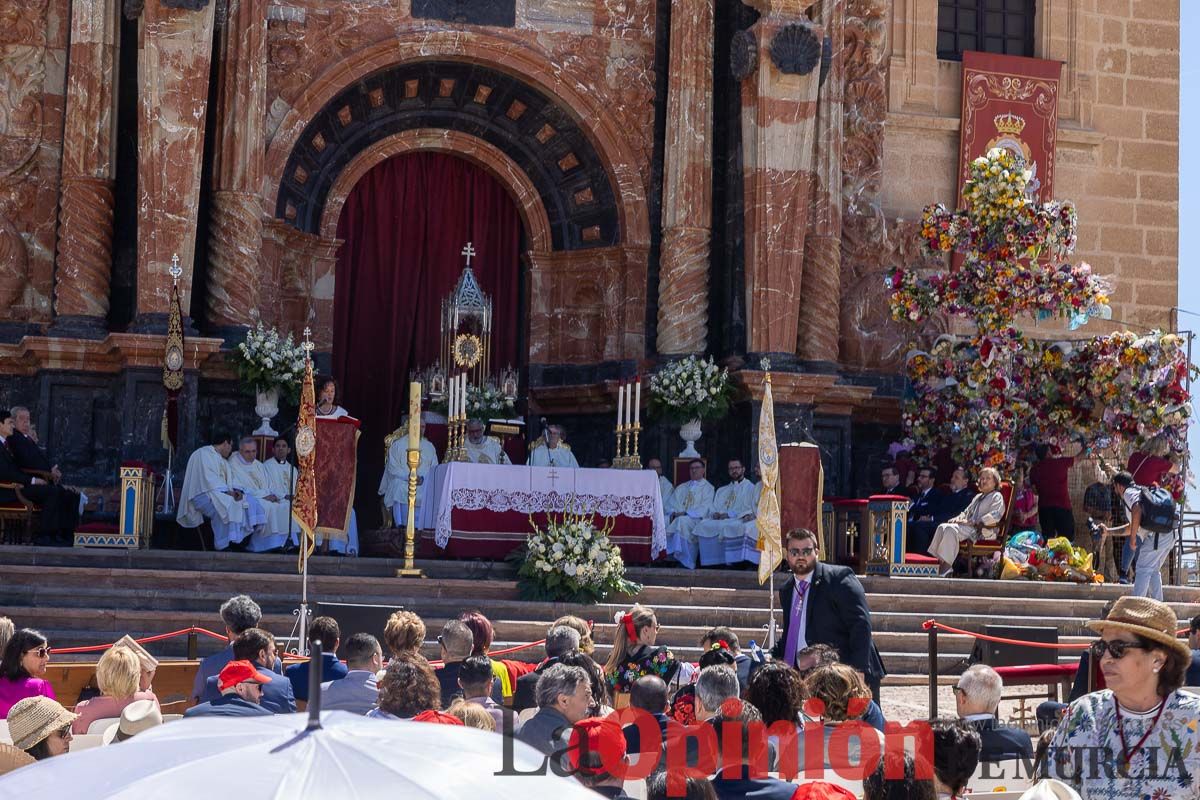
<point>1008,775</point>
<point>4,737</point>
<point>85,741</point>
<point>101,725</point>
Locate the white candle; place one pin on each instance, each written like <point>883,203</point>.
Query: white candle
<point>462,398</point>
<point>620,403</point>
<point>628,404</point>
<point>637,402</point>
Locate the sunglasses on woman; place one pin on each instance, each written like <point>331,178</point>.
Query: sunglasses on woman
<point>40,652</point>
<point>1116,648</point>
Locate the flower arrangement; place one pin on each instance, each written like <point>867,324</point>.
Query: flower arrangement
<point>570,560</point>
<point>483,403</point>
<point>689,389</point>
<point>266,360</point>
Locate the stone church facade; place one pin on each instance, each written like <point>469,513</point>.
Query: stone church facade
<point>693,176</point>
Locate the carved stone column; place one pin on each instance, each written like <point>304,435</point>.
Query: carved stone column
<point>687,184</point>
<point>174,56</point>
<point>819,321</point>
<point>778,59</point>
<point>235,234</point>
<point>83,271</point>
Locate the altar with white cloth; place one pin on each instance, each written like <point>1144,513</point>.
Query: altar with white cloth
<point>484,510</point>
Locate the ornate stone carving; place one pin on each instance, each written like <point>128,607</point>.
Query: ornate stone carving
<point>743,55</point>
<point>14,264</point>
<point>795,50</point>
<point>84,270</point>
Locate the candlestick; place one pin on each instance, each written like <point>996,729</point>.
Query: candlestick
<point>637,402</point>
<point>414,416</point>
<point>409,570</point>
<point>620,403</point>
<point>635,458</point>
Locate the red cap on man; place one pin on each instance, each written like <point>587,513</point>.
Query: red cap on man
<point>437,718</point>
<point>603,739</point>
<point>236,672</point>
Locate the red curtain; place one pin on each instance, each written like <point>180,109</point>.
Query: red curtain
<point>404,226</point>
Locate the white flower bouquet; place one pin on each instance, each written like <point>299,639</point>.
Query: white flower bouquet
<point>266,360</point>
<point>570,560</point>
<point>692,388</point>
<point>483,403</point>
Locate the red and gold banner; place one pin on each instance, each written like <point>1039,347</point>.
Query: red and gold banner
<point>337,473</point>
<point>304,504</point>
<point>1010,102</point>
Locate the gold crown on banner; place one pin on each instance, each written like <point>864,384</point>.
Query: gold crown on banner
<point>1009,123</point>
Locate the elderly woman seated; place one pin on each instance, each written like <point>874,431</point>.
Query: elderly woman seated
<point>1138,737</point>
<point>982,516</point>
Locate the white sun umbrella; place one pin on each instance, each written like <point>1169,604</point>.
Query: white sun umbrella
<point>348,756</point>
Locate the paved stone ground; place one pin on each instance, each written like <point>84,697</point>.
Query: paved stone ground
<point>907,703</point>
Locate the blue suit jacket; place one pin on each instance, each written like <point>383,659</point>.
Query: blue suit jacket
<point>1193,673</point>
<point>227,706</point>
<point>753,788</point>
<point>277,697</point>
<point>211,666</point>
<point>331,670</point>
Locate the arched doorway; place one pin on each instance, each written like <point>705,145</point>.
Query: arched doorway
<point>403,226</point>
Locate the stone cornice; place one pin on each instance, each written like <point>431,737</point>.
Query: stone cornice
<point>117,352</point>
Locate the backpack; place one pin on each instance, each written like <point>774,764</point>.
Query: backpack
<point>1158,510</point>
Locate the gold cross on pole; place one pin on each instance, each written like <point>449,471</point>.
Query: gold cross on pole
<point>468,251</point>
<point>308,346</point>
<point>175,270</point>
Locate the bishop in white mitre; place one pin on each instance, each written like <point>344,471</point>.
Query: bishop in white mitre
<point>209,493</point>
<point>483,449</point>
<point>247,473</point>
<point>553,453</point>
<point>394,484</point>
<point>690,503</point>
<point>731,519</point>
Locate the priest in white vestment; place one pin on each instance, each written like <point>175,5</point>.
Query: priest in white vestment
<point>248,474</point>
<point>554,453</point>
<point>483,449</point>
<point>665,487</point>
<point>394,484</point>
<point>209,493</point>
<point>721,535</point>
<point>690,503</point>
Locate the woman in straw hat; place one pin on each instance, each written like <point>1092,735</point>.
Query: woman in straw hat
<point>41,727</point>
<point>1138,738</point>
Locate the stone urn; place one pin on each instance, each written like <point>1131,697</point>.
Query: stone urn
<point>690,431</point>
<point>267,406</point>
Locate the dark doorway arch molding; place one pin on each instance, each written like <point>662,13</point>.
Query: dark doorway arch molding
<point>540,136</point>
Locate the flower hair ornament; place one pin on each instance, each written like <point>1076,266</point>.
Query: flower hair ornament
<point>720,644</point>
<point>626,619</point>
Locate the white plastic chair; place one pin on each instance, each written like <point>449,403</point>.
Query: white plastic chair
<point>4,737</point>
<point>101,725</point>
<point>526,715</point>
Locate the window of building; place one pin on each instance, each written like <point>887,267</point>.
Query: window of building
<point>992,26</point>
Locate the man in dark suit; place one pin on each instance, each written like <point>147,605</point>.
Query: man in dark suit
<point>923,513</point>
<point>560,640</point>
<point>25,449</point>
<point>241,690</point>
<point>59,507</point>
<point>977,695</point>
<point>956,501</point>
<point>456,642</point>
<point>258,648</point>
<point>326,631</point>
<point>829,605</point>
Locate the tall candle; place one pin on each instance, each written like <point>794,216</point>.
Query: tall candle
<point>451,385</point>
<point>637,402</point>
<point>414,416</point>
<point>462,396</point>
<point>628,404</point>
<point>620,403</point>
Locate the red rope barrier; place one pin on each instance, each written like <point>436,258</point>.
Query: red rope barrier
<point>933,623</point>
<point>96,648</point>
<point>438,662</point>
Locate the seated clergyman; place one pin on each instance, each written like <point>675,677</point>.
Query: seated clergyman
<point>483,449</point>
<point>394,485</point>
<point>730,520</point>
<point>209,493</point>
<point>665,487</point>
<point>251,476</point>
<point>554,453</point>
<point>690,503</point>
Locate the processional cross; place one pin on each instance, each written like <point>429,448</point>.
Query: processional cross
<point>468,251</point>
<point>308,346</point>
<point>175,270</point>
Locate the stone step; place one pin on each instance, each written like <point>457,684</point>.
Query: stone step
<point>730,580</point>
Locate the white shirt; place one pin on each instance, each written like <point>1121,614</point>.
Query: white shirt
<point>543,456</point>
<point>801,641</point>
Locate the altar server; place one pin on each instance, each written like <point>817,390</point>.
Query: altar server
<point>394,484</point>
<point>730,520</point>
<point>281,473</point>
<point>665,487</point>
<point>250,475</point>
<point>483,449</point>
<point>208,493</point>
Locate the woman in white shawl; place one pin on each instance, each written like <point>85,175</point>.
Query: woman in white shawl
<point>981,518</point>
